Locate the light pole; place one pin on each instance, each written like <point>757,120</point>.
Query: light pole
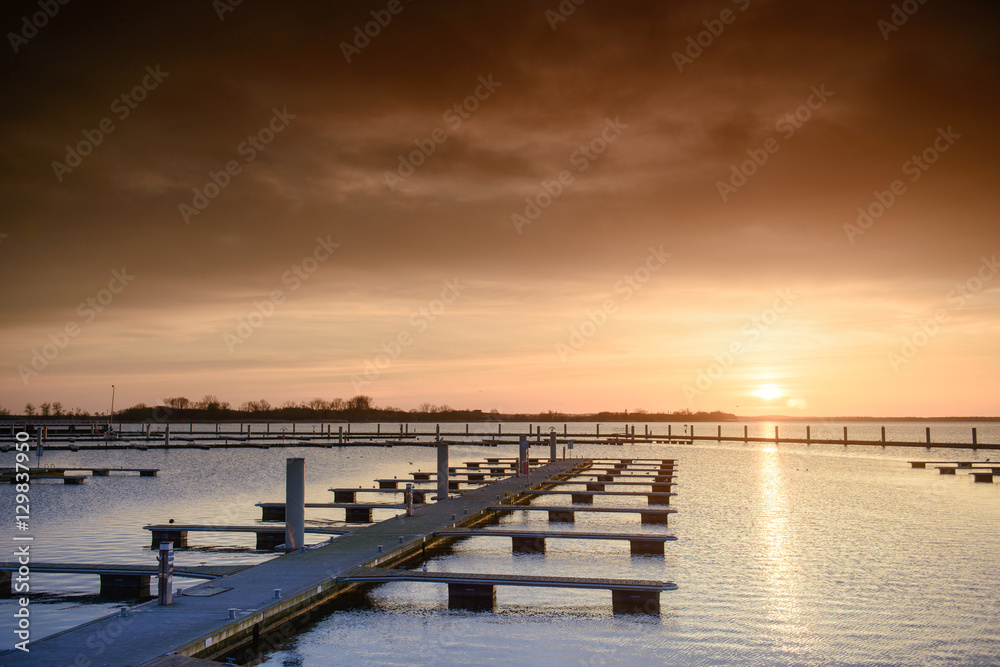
<point>111,418</point>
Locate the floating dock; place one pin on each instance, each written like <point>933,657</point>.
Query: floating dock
<point>248,608</point>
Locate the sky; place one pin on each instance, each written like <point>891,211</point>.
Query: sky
<point>752,206</point>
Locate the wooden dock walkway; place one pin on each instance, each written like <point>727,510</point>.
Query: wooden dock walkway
<point>533,541</point>
<point>201,625</point>
<point>268,537</point>
<point>567,513</point>
<point>117,581</point>
<point>478,591</point>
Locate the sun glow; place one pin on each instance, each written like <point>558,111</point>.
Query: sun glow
<point>769,392</point>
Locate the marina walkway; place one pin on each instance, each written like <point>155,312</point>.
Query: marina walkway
<point>266,596</point>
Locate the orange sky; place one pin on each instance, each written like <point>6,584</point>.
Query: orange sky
<point>495,205</point>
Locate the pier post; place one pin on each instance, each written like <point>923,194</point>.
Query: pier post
<point>883,434</point>
<point>164,574</point>
<point>775,433</point>
<point>553,450</point>
<point>522,456</point>
<point>808,434</point>
<point>744,434</point>
<point>669,430</point>
<point>598,430</point>
<point>409,499</point>
<point>166,436</point>
<point>845,436</point>
<point>437,433</point>
<point>295,503</point>
<point>442,471</point>
<point>340,435</point>
<point>974,442</point>
<point>719,435</point>
<point>928,435</point>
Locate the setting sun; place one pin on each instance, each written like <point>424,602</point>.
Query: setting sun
<point>769,392</point>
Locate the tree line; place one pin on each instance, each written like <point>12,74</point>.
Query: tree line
<point>357,408</point>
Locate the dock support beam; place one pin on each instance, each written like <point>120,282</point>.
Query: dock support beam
<point>268,541</point>
<point>635,602</point>
<point>649,517</point>
<point>345,497</point>
<point>528,545</point>
<point>595,486</point>
<point>442,471</point>
<point>358,515</point>
<point>272,513</point>
<point>582,498</point>
<point>473,597</point>
<point>564,516</point>
<point>125,586</point>
<point>658,499</point>
<point>295,503</point>
<point>646,547</point>
<point>178,537</point>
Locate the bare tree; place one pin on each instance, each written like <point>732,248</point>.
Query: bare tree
<point>57,409</point>
<point>360,403</point>
<point>46,409</point>
<point>178,403</point>
<point>29,410</point>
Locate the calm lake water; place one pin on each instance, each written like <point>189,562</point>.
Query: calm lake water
<point>786,555</point>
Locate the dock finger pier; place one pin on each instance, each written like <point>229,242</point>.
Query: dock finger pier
<point>245,613</point>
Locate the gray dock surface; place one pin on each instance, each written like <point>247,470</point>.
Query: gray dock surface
<point>193,624</point>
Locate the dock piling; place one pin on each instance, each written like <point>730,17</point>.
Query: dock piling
<point>295,503</point>
<point>442,471</point>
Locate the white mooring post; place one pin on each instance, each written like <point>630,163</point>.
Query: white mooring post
<point>165,573</point>
<point>295,503</point>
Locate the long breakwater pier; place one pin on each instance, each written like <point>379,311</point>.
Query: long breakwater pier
<point>266,435</point>
<point>244,614</point>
